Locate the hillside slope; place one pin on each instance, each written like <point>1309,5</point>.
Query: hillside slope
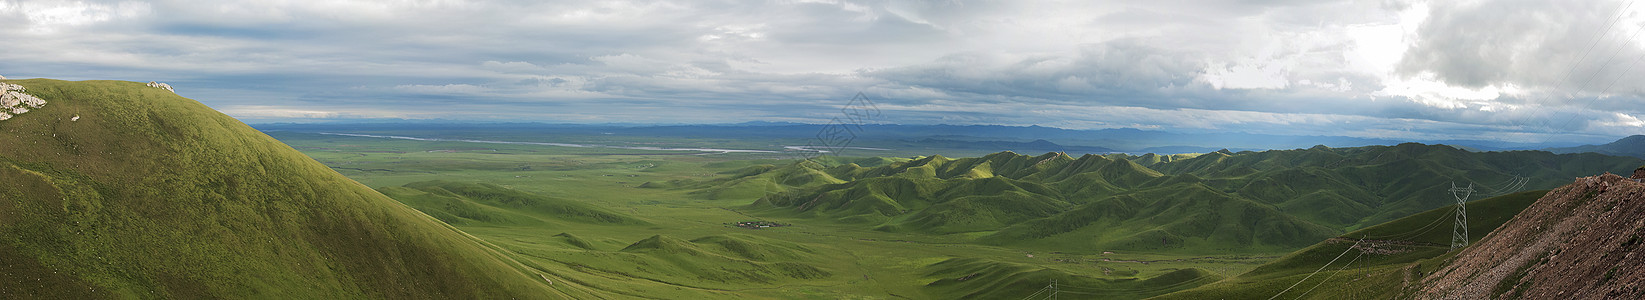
<point>1277,200</point>
<point>1629,146</point>
<point>1386,258</point>
<point>118,190</point>
<point>461,203</point>
<point>1578,242</point>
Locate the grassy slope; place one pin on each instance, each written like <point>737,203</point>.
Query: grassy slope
<point>1629,146</point>
<point>1371,275</point>
<point>461,203</point>
<point>152,195</point>
<point>1217,202</point>
<point>1184,217</point>
<point>970,278</point>
<point>1376,184</point>
<point>725,262</point>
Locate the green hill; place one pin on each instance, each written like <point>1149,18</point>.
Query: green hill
<point>1187,217</point>
<point>462,203</point>
<point>972,278</point>
<point>1275,200</point>
<point>1390,255</point>
<point>719,262</point>
<point>118,190</point>
<point>1629,146</point>
<point>1388,181</point>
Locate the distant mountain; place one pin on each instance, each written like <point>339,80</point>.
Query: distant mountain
<point>1127,140</point>
<point>1184,149</point>
<point>1029,147</point>
<point>1220,201</point>
<point>1633,146</point>
<point>119,190</point>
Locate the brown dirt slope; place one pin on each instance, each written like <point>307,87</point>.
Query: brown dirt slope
<point>1580,241</point>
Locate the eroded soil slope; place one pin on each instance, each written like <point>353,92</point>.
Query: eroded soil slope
<point>1579,241</point>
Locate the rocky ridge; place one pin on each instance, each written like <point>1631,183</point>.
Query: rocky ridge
<point>161,85</point>
<point>13,101</point>
<point>1580,241</point>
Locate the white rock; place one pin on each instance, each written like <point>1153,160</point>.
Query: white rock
<point>14,102</point>
<point>27,99</point>
<point>75,118</point>
<point>167,87</point>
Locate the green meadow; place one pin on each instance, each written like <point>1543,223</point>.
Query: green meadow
<point>676,236</point>
<point>662,224</point>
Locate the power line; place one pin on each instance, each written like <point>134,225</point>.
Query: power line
<point>1321,268</point>
<point>1042,290</point>
<point>1602,67</point>
<point>1048,288</point>
<point>1607,87</point>
<point>1333,274</point>
<point>1590,49</point>
<point>1054,290</point>
<point>1415,232</point>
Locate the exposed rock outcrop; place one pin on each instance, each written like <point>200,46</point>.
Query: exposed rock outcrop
<point>14,102</point>
<point>1581,241</point>
<point>164,86</point>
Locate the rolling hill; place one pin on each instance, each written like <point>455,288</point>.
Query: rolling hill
<point>461,203</point>
<point>971,278</point>
<point>1384,265</point>
<point>118,190</point>
<point>1629,146</point>
<point>1277,200</point>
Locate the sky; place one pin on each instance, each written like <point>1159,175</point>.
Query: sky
<point>1506,70</point>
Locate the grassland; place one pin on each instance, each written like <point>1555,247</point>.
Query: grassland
<point>1382,263</point>
<point>119,190</point>
<point>1217,203</point>
<point>687,246</point>
<point>990,226</point>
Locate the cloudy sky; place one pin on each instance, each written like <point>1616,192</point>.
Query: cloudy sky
<point>1513,70</point>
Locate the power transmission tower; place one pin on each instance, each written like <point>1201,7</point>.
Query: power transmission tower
<point>1053,289</point>
<point>1459,231</point>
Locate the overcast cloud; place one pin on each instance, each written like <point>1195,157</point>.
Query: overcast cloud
<point>1514,70</point>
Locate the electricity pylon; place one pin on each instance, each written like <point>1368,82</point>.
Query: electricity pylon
<point>1053,289</point>
<point>1459,231</point>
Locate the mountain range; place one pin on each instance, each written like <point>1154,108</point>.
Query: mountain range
<point>1128,140</point>
<point>1633,146</point>
<point>1214,202</point>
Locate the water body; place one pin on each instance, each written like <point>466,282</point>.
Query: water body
<point>707,150</point>
<point>820,149</point>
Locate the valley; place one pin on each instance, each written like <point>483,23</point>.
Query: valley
<point>692,229</point>
<point>839,149</point>
<point>684,241</point>
<point>115,166</point>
